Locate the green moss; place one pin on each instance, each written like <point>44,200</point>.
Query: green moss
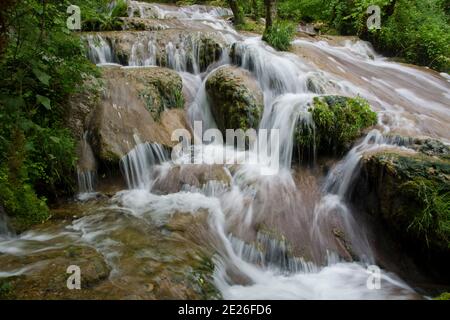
<point>233,104</point>
<point>210,51</point>
<point>162,89</point>
<point>444,296</point>
<point>203,277</point>
<point>415,196</point>
<point>338,121</point>
<point>6,290</point>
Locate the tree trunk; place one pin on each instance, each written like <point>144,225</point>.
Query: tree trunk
<point>271,12</point>
<point>237,12</point>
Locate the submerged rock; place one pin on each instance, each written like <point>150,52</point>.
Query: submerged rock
<point>48,278</point>
<point>236,99</point>
<point>144,103</point>
<point>337,122</point>
<point>197,176</point>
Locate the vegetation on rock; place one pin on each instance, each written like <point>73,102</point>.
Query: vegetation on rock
<point>147,102</point>
<point>337,122</point>
<point>236,99</point>
<point>413,195</point>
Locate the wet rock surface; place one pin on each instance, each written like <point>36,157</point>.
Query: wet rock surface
<point>408,192</point>
<point>196,176</point>
<point>133,260</point>
<point>158,47</point>
<point>236,99</point>
<point>145,103</point>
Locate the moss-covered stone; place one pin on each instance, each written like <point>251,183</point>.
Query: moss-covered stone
<point>159,89</point>
<point>411,194</point>
<point>236,99</point>
<point>143,102</point>
<point>337,123</point>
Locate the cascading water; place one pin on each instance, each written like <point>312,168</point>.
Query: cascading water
<point>86,170</point>
<point>276,237</point>
<point>5,231</point>
<point>137,164</point>
<point>99,50</point>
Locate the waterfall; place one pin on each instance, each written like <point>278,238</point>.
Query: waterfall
<point>288,236</point>
<point>86,181</point>
<point>86,169</point>
<point>5,230</point>
<point>138,163</point>
<point>100,51</point>
<point>277,73</point>
<point>285,114</point>
<point>143,54</point>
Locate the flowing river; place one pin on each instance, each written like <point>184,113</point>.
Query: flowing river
<point>272,237</point>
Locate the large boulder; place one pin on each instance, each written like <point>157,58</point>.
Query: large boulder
<point>236,99</point>
<point>335,123</point>
<point>81,104</point>
<point>410,193</point>
<point>143,103</point>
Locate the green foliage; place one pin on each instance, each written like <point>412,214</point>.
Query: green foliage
<point>338,121</point>
<point>418,31</point>
<point>100,15</point>
<point>415,30</point>
<point>252,26</point>
<point>21,202</point>
<point>6,290</point>
<point>445,296</point>
<point>433,218</point>
<point>418,198</point>
<point>280,35</point>
<point>42,66</point>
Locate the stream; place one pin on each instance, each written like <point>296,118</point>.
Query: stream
<point>288,236</point>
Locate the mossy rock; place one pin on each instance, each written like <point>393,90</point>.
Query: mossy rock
<point>236,99</point>
<point>410,192</point>
<point>337,122</point>
<point>160,89</point>
<point>143,102</point>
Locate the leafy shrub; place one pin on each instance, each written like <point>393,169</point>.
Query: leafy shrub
<point>42,65</point>
<point>433,218</point>
<point>16,195</point>
<point>415,30</point>
<point>101,15</point>
<point>280,35</point>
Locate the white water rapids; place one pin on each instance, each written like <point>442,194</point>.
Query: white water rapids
<point>308,262</point>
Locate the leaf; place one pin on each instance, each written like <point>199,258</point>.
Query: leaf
<point>55,139</point>
<point>42,76</point>
<point>44,101</point>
